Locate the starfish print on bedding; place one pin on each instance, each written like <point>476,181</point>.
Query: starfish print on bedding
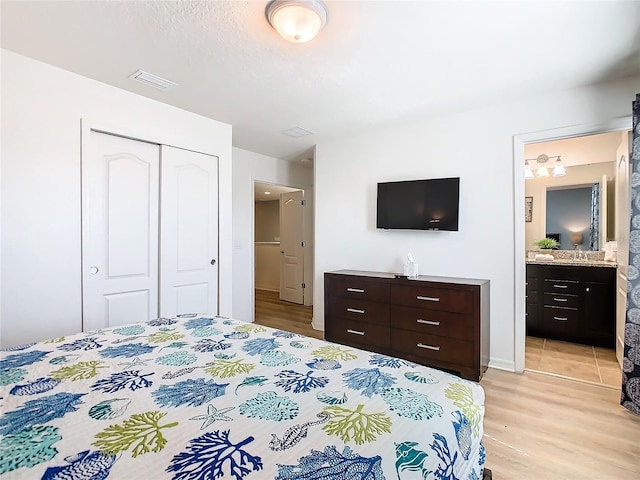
<point>212,415</point>
<point>136,362</point>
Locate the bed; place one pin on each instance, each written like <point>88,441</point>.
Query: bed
<point>201,398</point>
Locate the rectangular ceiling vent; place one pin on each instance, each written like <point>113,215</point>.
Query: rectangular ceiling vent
<point>152,80</point>
<point>297,132</point>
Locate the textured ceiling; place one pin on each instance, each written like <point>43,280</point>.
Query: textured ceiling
<point>375,63</point>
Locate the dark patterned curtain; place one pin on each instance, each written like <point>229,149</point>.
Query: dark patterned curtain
<point>595,217</point>
<point>630,398</point>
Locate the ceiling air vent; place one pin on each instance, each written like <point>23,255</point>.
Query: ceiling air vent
<point>152,80</point>
<point>297,132</point>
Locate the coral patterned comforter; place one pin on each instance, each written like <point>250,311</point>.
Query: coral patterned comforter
<point>202,398</point>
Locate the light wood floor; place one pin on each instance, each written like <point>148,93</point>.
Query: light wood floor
<point>273,312</point>
<point>537,426</point>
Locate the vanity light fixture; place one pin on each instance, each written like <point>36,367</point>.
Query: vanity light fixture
<point>542,170</point>
<point>297,21</point>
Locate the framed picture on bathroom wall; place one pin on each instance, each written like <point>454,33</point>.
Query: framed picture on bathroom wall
<point>528,209</point>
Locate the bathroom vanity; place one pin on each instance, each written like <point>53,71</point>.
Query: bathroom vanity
<point>572,301</point>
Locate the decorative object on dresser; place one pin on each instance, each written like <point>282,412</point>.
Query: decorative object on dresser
<point>437,321</point>
<point>571,303</point>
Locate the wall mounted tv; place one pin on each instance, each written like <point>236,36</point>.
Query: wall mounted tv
<point>430,204</point>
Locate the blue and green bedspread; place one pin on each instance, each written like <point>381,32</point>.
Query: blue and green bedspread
<point>203,398</point>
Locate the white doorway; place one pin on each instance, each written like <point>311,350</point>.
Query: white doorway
<point>519,211</point>
<point>279,241</point>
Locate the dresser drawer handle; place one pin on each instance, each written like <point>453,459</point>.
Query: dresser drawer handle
<point>560,299</point>
<point>355,332</point>
<point>429,299</point>
<point>428,347</point>
<point>561,319</point>
<point>560,286</point>
<point>428,322</point>
<point>355,290</point>
<point>355,310</point>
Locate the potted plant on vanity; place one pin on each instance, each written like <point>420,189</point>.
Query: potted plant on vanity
<point>546,244</point>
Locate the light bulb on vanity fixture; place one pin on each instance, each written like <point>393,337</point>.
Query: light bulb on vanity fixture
<point>558,169</point>
<point>297,21</point>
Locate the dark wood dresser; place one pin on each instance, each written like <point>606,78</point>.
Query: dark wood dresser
<point>436,321</point>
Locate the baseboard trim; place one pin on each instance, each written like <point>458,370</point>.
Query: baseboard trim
<point>499,364</point>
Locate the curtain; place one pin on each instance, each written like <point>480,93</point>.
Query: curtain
<point>630,398</point>
<point>595,217</point>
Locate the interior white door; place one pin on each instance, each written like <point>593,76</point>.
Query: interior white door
<point>119,230</point>
<point>188,232</point>
<point>622,221</point>
<point>291,247</point>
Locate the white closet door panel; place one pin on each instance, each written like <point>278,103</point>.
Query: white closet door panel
<point>127,307</point>
<point>120,181</point>
<point>128,209</point>
<point>192,298</point>
<point>189,232</point>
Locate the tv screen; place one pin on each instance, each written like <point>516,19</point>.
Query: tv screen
<point>430,204</point>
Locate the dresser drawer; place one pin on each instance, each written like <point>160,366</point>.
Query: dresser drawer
<point>561,321</point>
<point>432,322</point>
<point>433,298</point>
<point>359,310</point>
<point>356,288</point>
<point>434,347</point>
<point>561,286</point>
<point>348,331</point>
<point>563,301</point>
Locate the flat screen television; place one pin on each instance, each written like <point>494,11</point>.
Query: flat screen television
<point>430,204</point>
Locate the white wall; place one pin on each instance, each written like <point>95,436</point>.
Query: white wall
<point>41,111</point>
<point>477,146</point>
<point>248,168</point>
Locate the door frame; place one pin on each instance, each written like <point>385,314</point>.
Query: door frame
<point>142,133</point>
<point>308,223</point>
<point>519,142</point>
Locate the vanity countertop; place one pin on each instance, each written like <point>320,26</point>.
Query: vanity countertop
<point>573,263</point>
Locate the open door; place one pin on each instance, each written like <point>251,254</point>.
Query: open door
<point>623,206</point>
<point>292,247</point>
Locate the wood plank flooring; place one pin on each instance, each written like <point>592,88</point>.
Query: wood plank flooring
<point>273,312</point>
<point>537,426</point>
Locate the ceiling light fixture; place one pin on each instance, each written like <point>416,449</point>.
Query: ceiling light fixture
<point>542,170</point>
<point>297,21</point>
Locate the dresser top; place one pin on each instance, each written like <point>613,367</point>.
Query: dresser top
<point>421,278</point>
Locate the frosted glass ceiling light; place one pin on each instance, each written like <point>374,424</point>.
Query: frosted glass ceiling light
<point>297,20</point>
<point>559,170</point>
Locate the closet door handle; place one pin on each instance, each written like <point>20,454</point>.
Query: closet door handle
<point>213,261</point>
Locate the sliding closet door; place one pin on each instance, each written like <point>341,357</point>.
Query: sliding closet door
<point>120,180</point>
<point>188,232</point>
